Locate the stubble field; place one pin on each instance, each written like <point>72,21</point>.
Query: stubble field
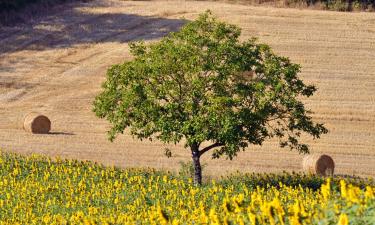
<point>56,64</point>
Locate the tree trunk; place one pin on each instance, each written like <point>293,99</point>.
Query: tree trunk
<point>197,165</point>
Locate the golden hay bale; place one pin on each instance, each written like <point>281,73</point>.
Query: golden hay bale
<point>322,165</point>
<point>36,123</point>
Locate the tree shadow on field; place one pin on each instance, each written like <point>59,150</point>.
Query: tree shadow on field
<point>71,26</point>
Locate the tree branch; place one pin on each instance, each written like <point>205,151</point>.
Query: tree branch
<point>206,149</point>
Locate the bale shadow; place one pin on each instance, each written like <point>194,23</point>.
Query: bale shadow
<point>71,26</point>
<point>62,133</point>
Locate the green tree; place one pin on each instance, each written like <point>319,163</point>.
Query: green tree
<point>202,85</point>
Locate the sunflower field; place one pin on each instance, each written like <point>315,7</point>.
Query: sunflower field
<point>38,190</point>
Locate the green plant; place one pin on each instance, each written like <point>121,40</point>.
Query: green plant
<point>337,5</point>
<point>202,85</point>
<point>186,170</point>
<point>313,182</point>
<point>357,5</point>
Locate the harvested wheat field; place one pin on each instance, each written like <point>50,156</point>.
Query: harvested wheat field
<point>55,65</point>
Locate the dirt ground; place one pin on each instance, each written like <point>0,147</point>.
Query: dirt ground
<point>56,64</point>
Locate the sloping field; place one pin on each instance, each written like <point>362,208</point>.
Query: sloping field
<point>56,66</point>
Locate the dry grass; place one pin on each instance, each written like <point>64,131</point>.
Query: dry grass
<point>57,65</point>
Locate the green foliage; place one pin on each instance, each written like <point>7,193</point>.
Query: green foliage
<point>203,84</point>
<point>186,170</point>
<point>349,5</point>
<point>313,182</point>
<point>335,5</point>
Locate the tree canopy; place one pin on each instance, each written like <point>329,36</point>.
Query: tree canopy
<point>203,85</point>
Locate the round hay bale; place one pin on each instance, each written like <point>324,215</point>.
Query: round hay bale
<point>36,123</point>
<point>319,164</point>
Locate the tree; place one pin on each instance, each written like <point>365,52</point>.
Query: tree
<point>202,85</point>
